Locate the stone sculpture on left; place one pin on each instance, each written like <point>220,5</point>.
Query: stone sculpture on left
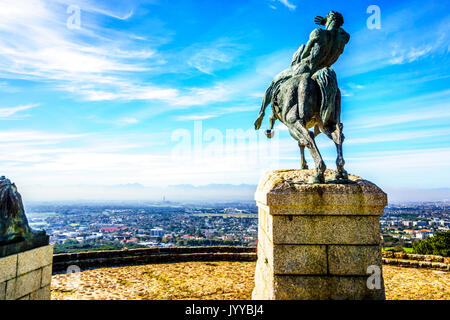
<point>25,255</point>
<point>14,228</point>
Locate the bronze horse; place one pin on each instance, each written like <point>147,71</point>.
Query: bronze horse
<point>307,95</point>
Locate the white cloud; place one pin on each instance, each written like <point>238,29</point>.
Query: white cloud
<point>418,108</point>
<point>15,135</point>
<point>288,4</point>
<point>96,7</point>
<point>399,136</point>
<point>410,55</point>
<point>210,57</point>
<point>37,45</point>
<point>403,168</point>
<point>8,112</point>
<point>196,117</point>
<point>346,93</point>
<point>95,64</point>
<point>216,113</point>
<point>129,120</point>
<point>394,44</point>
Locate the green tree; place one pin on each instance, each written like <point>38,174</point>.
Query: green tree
<point>438,244</point>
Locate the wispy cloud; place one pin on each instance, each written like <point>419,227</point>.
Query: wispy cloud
<point>38,46</point>
<point>410,54</point>
<point>289,5</point>
<point>217,113</point>
<point>195,117</point>
<point>394,43</point>
<point>399,136</point>
<point>209,57</point>
<point>15,135</point>
<point>8,112</point>
<point>97,7</point>
<point>429,106</point>
<point>129,120</point>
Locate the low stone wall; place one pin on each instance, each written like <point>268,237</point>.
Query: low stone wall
<point>99,259</point>
<point>418,257</point>
<point>26,275</point>
<point>409,260</point>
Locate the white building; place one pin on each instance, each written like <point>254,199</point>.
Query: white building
<point>156,232</point>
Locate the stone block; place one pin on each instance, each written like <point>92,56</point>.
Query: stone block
<point>41,294</point>
<point>301,287</point>
<point>10,289</point>
<point>46,276</point>
<point>8,267</point>
<point>352,260</point>
<point>324,288</point>
<point>354,288</point>
<point>34,259</point>
<point>2,290</point>
<point>300,259</point>
<point>322,229</point>
<point>290,187</point>
<point>294,259</point>
<point>26,283</point>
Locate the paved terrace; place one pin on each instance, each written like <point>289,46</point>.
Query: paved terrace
<point>222,273</point>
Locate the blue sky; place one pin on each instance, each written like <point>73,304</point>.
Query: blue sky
<point>166,92</point>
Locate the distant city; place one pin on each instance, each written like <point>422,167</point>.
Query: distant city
<point>403,224</point>
<point>83,227</point>
<point>96,226</point>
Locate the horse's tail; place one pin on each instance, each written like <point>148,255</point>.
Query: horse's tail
<point>327,81</point>
<point>267,99</point>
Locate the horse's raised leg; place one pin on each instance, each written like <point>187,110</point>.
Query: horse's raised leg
<point>269,133</point>
<point>304,165</point>
<point>307,139</point>
<point>301,143</point>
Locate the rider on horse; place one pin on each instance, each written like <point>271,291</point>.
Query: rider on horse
<point>307,95</point>
<point>313,62</point>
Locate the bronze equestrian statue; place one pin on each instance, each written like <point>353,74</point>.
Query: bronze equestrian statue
<point>306,94</point>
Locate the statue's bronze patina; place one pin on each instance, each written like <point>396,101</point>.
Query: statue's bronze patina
<point>306,94</point>
<point>13,221</point>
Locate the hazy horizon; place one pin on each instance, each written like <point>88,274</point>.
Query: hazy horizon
<point>191,193</point>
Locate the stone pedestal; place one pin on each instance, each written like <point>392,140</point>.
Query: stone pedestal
<point>26,275</point>
<point>318,241</point>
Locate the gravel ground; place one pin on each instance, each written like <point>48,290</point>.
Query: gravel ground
<point>218,281</point>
